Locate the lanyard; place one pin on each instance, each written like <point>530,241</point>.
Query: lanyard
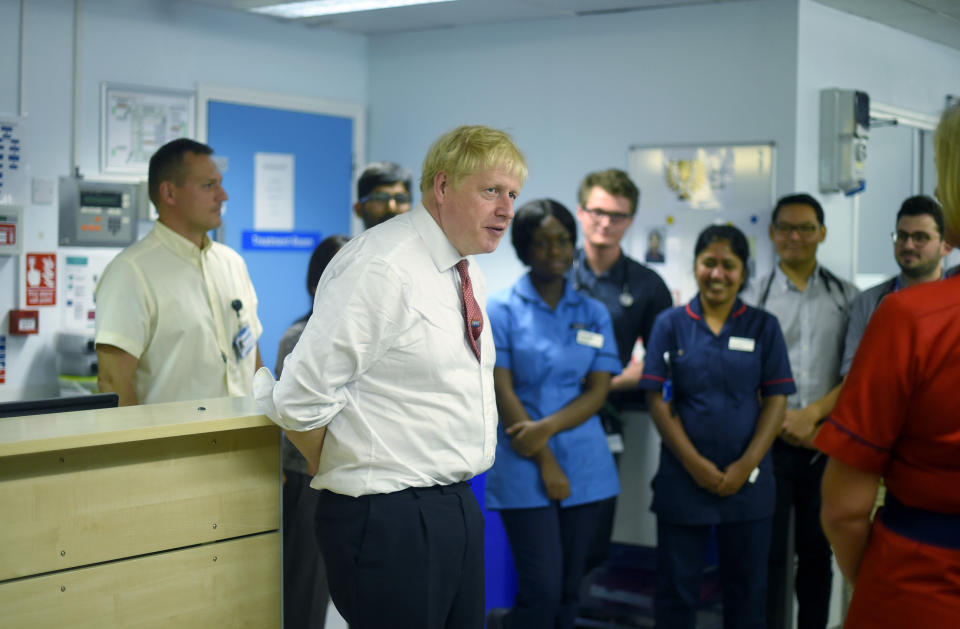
<point>825,276</point>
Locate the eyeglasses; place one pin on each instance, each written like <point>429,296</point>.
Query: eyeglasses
<point>615,217</point>
<point>805,229</point>
<point>386,197</point>
<point>918,238</point>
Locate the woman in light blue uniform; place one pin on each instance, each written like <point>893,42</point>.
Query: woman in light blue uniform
<point>717,375</point>
<point>556,354</point>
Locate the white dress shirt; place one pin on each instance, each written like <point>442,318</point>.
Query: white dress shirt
<point>168,302</point>
<point>814,323</point>
<point>385,364</point>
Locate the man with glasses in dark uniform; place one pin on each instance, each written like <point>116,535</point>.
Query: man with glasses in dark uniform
<point>812,305</point>
<point>383,191</point>
<point>633,294</point>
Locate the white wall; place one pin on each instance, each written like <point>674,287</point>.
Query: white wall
<point>160,44</point>
<point>576,93</point>
<point>840,50</point>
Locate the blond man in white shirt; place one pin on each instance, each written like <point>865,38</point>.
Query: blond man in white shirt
<point>393,407</point>
<point>176,312</point>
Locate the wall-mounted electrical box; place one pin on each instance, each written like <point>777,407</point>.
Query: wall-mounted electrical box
<point>11,229</point>
<point>98,214</point>
<point>24,322</point>
<point>844,130</point>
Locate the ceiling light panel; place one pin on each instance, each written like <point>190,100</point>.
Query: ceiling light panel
<point>315,8</point>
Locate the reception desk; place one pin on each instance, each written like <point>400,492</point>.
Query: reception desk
<point>165,515</point>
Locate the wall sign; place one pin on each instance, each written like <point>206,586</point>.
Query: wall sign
<point>136,121</point>
<point>41,279</point>
<point>283,241</point>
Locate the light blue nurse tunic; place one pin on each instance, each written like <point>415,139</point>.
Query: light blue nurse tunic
<point>550,352</point>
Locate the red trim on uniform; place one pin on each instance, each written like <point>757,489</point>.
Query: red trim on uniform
<point>692,313</point>
<point>781,380</point>
<point>652,377</point>
<point>739,312</point>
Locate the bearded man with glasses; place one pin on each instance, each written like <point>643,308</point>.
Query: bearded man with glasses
<point>919,249</point>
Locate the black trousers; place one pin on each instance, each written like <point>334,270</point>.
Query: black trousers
<point>549,547</point>
<point>305,594</point>
<point>798,472</point>
<point>681,558</point>
<point>412,559</point>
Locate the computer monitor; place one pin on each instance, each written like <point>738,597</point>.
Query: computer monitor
<point>59,405</point>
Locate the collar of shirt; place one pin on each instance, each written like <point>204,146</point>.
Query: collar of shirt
<point>525,289</point>
<point>694,308</point>
<point>582,269</point>
<point>441,250</point>
<point>898,281</point>
<point>182,247</point>
<point>783,280</point>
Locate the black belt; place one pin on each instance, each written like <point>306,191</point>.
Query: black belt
<point>927,527</point>
<point>436,489</point>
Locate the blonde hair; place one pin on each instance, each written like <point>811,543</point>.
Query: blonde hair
<point>470,149</point>
<point>946,146</point>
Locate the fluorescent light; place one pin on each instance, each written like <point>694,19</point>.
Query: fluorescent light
<point>313,8</point>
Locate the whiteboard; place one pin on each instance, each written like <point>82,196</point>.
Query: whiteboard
<point>684,188</point>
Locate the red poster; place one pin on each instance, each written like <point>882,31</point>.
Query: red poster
<point>41,279</point>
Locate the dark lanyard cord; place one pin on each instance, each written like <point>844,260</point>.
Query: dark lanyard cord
<point>578,285</point>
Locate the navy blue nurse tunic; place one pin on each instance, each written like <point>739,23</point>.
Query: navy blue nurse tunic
<point>716,382</point>
<point>549,352</point>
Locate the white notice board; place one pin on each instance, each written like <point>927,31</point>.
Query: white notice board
<point>684,188</point>
<point>136,121</point>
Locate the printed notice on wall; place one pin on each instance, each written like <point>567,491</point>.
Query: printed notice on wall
<point>41,279</point>
<point>12,160</point>
<point>273,192</point>
<point>137,120</point>
<point>3,359</point>
<point>80,274</point>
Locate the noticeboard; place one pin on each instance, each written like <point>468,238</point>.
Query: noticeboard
<point>136,121</point>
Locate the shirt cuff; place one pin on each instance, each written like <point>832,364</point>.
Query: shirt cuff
<point>781,386</point>
<point>651,382</point>
<point>263,384</point>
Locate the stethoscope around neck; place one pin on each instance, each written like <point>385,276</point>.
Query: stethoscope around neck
<point>625,298</point>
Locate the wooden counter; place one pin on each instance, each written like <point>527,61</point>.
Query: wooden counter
<point>149,516</point>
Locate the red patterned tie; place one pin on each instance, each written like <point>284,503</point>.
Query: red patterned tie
<point>472,316</point>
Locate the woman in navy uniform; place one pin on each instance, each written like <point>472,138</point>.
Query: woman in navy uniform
<point>555,356</point>
<point>717,376</point>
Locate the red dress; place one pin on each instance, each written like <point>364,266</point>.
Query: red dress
<point>899,416</point>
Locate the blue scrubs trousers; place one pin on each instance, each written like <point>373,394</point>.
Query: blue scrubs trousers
<point>681,557</point>
<point>549,546</point>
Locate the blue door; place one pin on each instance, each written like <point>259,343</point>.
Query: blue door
<point>322,146</point>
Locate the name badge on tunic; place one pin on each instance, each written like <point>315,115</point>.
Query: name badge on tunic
<point>741,344</point>
<point>243,342</point>
<point>590,339</point>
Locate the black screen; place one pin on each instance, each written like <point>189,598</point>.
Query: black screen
<point>59,405</point>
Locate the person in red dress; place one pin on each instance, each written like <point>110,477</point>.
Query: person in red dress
<point>898,419</point>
